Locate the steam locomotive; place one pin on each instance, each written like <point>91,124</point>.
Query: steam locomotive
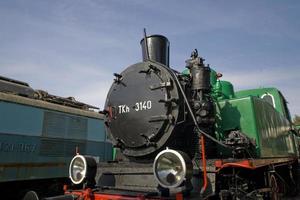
<point>189,135</point>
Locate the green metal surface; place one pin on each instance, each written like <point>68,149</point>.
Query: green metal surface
<point>213,77</point>
<point>227,89</point>
<point>276,139</point>
<point>237,114</point>
<point>279,102</point>
<point>261,114</point>
<point>257,119</point>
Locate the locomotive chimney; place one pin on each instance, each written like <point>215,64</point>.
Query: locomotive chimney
<point>158,49</point>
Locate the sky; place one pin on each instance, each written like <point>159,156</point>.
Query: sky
<point>73,47</point>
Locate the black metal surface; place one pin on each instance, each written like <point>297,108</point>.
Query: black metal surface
<point>136,178</point>
<point>199,72</point>
<point>241,144</point>
<point>140,132</point>
<point>158,49</point>
<point>144,109</point>
<point>126,176</point>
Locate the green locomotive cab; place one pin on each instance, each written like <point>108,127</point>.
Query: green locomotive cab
<point>261,115</point>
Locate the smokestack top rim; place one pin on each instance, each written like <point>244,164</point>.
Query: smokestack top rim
<point>155,35</point>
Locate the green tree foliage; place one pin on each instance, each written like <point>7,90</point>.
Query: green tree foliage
<point>296,120</point>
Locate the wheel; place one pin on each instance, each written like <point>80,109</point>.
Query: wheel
<point>31,195</point>
<point>274,188</point>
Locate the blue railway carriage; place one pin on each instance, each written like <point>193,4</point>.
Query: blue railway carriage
<point>39,134</point>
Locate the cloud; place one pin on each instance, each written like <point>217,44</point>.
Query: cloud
<point>283,79</point>
<point>88,84</point>
<point>71,48</point>
<point>93,93</point>
<point>260,77</point>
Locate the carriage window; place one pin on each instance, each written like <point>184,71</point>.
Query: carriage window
<point>268,98</point>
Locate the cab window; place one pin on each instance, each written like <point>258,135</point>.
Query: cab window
<point>268,98</point>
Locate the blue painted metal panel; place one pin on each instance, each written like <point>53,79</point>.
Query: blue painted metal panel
<point>102,152</point>
<point>26,157</point>
<point>36,143</point>
<point>95,130</point>
<point>20,119</point>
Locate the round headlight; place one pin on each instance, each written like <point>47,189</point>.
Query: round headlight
<point>171,168</point>
<point>82,167</point>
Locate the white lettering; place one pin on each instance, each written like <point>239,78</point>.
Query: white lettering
<point>143,105</point>
<point>123,109</point>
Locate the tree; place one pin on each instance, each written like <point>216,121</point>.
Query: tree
<point>296,120</point>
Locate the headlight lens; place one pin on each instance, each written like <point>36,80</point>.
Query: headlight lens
<point>83,168</point>
<point>171,168</point>
<point>77,169</point>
